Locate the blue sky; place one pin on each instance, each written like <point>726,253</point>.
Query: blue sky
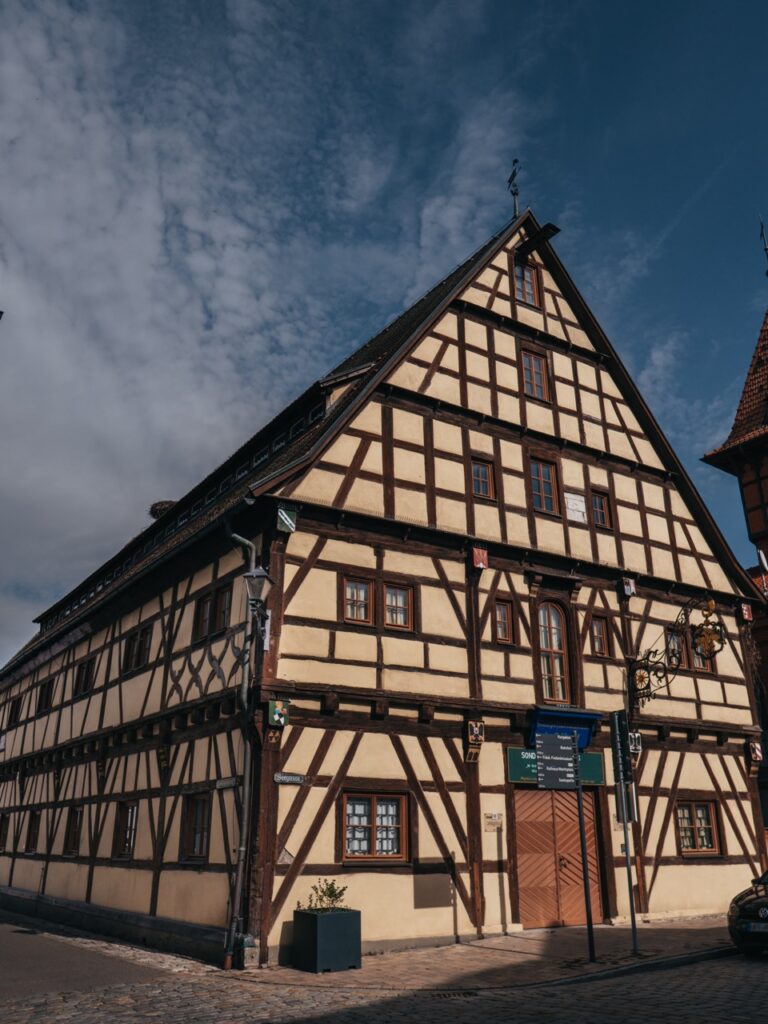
<point>205,205</point>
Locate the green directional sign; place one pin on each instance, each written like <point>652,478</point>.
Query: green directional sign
<point>521,767</point>
<point>286,518</point>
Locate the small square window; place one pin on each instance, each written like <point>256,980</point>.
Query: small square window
<point>45,696</point>
<point>398,606</point>
<point>14,713</point>
<point>544,487</point>
<point>374,827</point>
<point>33,832</point>
<point>697,827</point>
<point>125,829</point>
<point>72,832</point>
<point>525,284</point>
<point>482,479</point>
<point>535,383</point>
<point>358,606</point>
<point>601,510</point>
<point>196,826</point>
<point>84,677</point>
<point>503,622</point>
<point>599,631</point>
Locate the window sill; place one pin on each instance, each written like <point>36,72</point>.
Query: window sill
<point>494,502</point>
<point>546,402</point>
<point>549,515</point>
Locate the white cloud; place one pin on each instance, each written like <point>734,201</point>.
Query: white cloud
<point>196,220</point>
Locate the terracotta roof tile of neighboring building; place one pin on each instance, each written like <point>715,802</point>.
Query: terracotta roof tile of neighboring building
<point>751,420</point>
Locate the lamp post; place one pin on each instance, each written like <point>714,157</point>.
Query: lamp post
<point>258,584</point>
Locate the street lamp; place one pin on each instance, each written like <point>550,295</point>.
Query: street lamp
<point>258,584</point>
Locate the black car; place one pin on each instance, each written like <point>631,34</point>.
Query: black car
<point>748,917</point>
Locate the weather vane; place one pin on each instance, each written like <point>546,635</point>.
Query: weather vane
<point>513,187</point>
<point>762,236</point>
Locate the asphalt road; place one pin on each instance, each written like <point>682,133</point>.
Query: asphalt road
<point>33,964</point>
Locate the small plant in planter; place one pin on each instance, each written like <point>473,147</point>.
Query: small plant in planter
<point>326,934</point>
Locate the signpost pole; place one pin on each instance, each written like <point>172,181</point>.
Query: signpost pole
<point>620,740</point>
<point>584,861</point>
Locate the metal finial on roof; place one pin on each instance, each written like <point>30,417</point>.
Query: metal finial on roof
<point>764,241</point>
<point>512,185</point>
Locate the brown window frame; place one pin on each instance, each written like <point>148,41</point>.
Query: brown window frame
<point>685,654</point>
<point>714,826</point>
<point>408,590</point>
<point>371,587</point>
<point>136,649</point>
<point>84,677</point>
<point>44,701</point>
<point>14,713</point>
<point>605,503</point>
<point>5,827</point>
<point>488,466</point>
<point>603,619</point>
<point>552,652</point>
<point>527,355</point>
<point>521,266</point>
<point>536,461</point>
<point>497,636</point>
<point>387,858</point>
<point>213,610</point>
<point>73,831</point>
<point>124,839</point>
<point>187,853</point>
<point>33,831</point>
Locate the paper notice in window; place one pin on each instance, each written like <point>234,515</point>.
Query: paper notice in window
<point>575,507</point>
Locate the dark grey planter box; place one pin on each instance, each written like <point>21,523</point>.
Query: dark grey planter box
<point>326,942</point>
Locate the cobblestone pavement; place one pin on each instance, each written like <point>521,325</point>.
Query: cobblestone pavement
<point>732,989</point>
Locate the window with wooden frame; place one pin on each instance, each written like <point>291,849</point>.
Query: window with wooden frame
<point>483,484</point>
<point>195,827</point>
<point>72,831</point>
<point>126,818</point>
<point>544,490</point>
<point>358,601</point>
<point>44,696</point>
<point>5,825</point>
<point>502,622</point>
<point>375,827</point>
<point>14,713</point>
<point>677,649</point>
<point>526,289</point>
<point>212,612</point>
<point>700,663</point>
<point>601,510</point>
<point>535,377</point>
<point>697,827</point>
<point>84,677</point>
<point>136,649</point>
<point>598,628</point>
<point>33,832</point>
<point>553,653</point>
<point>398,606</point>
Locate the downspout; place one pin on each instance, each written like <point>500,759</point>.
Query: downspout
<point>237,895</point>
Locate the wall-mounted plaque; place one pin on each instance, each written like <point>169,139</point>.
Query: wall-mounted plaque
<point>575,507</point>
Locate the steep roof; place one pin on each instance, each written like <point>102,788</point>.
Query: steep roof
<point>259,462</point>
<point>751,421</point>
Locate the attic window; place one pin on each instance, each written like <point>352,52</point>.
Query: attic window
<point>241,471</point>
<point>296,429</point>
<point>278,443</point>
<point>316,414</point>
<point>525,284</point>
<point>261,456</point>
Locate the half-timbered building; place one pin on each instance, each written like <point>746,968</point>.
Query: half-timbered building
<point>471,524</point>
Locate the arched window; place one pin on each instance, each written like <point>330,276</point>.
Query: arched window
<point>553,654</point>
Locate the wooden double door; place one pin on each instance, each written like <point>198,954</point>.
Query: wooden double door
<point>548,858</point>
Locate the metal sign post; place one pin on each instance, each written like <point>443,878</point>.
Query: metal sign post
<point>622,768</point>
<point>557,767</point>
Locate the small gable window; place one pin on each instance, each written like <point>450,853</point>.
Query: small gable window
<point>601,510</point>
<point>482,479</point>
<point>358,606</point>
<point>599,630</point>
<point>503,622</point>
<point>525,284</point>
<point>544,486</point>
<point>535,376</point>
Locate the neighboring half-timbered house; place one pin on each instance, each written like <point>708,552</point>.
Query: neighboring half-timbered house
<point>470,524</point>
